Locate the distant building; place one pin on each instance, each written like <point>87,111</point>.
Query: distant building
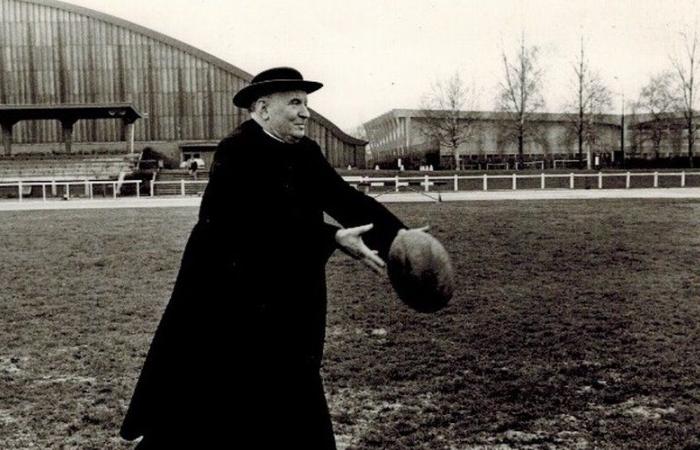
<point>400,133</point>
<point>53,53</point>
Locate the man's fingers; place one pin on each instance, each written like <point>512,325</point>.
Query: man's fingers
<point>371,255</point>
<point>376,259</point>
<point>350,241</point>
<point>361,229</point>
<point>374,266</point>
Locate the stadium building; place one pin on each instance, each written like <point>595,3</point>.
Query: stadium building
<point>404,134</point>
<point>74,81</point>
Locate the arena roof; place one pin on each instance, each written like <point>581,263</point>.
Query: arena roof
<point>184,47</point>
<point>67,115</point>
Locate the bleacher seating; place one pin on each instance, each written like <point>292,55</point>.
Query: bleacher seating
<point>32,167</point>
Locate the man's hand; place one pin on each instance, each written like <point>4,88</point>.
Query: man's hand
<point>350,241</point>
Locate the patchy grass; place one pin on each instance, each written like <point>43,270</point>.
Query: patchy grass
<point>574,325</point>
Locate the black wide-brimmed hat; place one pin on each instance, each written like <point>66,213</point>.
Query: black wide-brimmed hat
<point>277,79</point>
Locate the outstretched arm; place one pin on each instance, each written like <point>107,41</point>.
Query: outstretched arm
<point>352,208</point>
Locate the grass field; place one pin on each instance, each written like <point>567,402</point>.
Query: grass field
<point>574,325</point>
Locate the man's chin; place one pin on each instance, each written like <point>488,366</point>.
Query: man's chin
<point>294,138</point>
<point>297,136</point>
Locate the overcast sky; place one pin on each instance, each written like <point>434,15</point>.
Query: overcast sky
<point>376,55</point>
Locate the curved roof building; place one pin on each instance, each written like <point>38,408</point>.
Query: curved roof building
<point>54,53</point>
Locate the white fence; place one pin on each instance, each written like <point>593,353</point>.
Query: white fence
<point>179,187</point>
<point>67,189</point>
<point>426,182</point>
<point>91,188</point>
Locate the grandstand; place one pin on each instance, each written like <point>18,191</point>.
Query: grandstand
<point>65,168</point>
<point>58,175</point>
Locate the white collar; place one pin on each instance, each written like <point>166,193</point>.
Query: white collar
<point>273,136</point>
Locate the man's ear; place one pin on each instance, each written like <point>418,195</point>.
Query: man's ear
<point>262,108</point>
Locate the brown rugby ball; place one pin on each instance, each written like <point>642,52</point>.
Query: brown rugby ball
<point>420,271</point>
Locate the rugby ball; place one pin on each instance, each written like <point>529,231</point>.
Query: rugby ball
<point>420,271</point>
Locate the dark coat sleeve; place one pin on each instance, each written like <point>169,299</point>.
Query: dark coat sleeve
<point>352,208</point>
<point>328,239</point>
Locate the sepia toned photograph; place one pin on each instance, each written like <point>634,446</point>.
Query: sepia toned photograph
<point>364,225</point>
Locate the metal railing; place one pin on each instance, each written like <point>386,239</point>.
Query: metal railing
<point>63,189</point>
<point>427,182</point>
<point>87,188</point>
<point>180,187</point>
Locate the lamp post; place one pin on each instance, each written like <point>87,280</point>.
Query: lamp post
<point>622,122</point>
<point>622,130</point>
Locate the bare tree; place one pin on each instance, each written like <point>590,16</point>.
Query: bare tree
<point>658,100</point>
<point>359,132</point>
<point>520,94</point>
<point>444,120</point>
<point>686,68</point>
<point>592,100</point>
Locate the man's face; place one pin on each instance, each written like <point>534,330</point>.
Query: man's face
<point>286,115</point>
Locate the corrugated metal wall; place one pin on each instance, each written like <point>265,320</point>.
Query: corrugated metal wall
<point>52,53</point>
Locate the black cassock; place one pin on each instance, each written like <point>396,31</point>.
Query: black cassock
<point>236,357</point>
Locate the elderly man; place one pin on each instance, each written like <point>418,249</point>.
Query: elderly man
<point>235,362</point>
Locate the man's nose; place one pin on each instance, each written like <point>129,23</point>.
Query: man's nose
<point>304,112</point>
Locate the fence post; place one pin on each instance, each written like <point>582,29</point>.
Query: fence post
<point>138,188</point>
<point>114,190</point>
<point>152,188</point>
<point>656,179</point>
<point>456,183</point>
<point>182,187</point>
<point>396,182</point>
<point>515,182</point>
<point>43,192</point>
<point>486,183</point>
<point>427,180</point>
<point>600,180</point>
<point>19,190</point>
<point>627,181</point>
<point>683,178</point>
<point>87,189</point>
<point>67,193</point>
<point>571,181</point>
<point>542,182</point>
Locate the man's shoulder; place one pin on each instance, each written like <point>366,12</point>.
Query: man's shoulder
<point>236,144</point>
<point>310,146</point>
<point>242,133</point>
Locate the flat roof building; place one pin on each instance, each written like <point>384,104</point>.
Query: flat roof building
<point>404,133</point>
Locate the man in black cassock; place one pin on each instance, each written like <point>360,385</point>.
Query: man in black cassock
<point>235,361</point>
